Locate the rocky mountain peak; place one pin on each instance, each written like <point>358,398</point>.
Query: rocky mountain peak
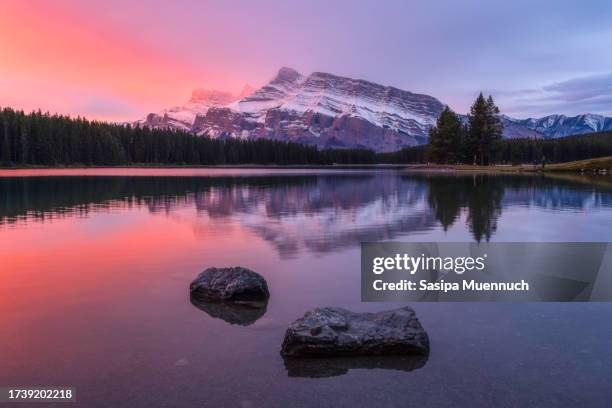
<point>286,74</point>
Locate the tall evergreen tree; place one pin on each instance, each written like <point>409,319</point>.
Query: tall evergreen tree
<point>445,138</point>
<point>484,130</point>
<point>495,130</point>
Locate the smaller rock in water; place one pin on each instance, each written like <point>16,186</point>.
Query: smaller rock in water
<point>237,284</point>
<point>331,331</point>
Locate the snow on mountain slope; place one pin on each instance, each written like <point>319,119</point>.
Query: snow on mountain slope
<point>283,87</point>
<point>336,96</point>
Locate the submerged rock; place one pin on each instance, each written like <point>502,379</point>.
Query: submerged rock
<point>237,285</point>
<point>331,331</point>
<point>240,313</point>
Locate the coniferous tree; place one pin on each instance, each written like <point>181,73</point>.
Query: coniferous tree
<point>484,130</point>
<point>475,125</point>
<point>494,132</point>
<point>445,138</point>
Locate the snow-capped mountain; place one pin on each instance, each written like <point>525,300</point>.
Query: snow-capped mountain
<point>327,110</point>
<point>320,109</point>
<point>554,126</point>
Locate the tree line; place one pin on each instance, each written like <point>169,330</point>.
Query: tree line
<point>55,140</point>
<point>565,149</point>
<point>523,151</point>
<point>41,139</point>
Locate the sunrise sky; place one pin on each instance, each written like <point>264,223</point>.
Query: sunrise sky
<point>118,60</point>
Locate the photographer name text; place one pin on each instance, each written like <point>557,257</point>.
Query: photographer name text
<point>422,263</point>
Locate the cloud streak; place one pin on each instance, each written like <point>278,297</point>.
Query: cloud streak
<point>583,88</point>
<point>584,94</point>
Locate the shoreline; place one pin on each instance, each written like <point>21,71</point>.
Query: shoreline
<point>602,165</point>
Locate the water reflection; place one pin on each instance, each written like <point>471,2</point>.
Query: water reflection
<point>243,314</point>
<point>480,195</point>
<point>331,367</point>
<point>318,213</point>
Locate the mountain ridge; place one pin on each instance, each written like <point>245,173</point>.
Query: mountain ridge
<point>557,125</point>
<point>332,111</point>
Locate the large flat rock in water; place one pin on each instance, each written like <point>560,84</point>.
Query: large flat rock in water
<point>236,284</point>
<point>331,331</point>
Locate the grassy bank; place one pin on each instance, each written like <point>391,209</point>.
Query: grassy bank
<point>590,165</point>
<point>597,165</point>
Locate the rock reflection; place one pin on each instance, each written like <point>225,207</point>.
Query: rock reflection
<point>331,367</point>
<point>242,313</point>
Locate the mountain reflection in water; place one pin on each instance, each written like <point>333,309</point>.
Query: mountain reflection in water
<point>317,213</point>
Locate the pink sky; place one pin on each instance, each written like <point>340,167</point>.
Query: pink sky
<point>69,58</point>
<point>120,59</point>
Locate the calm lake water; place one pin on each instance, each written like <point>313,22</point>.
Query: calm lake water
<point>96,265</point>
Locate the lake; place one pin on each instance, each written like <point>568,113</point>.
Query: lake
<point>96,266</point>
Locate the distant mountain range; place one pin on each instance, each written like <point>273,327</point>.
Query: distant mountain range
<point>554,126</point>
<point>336,112</point>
